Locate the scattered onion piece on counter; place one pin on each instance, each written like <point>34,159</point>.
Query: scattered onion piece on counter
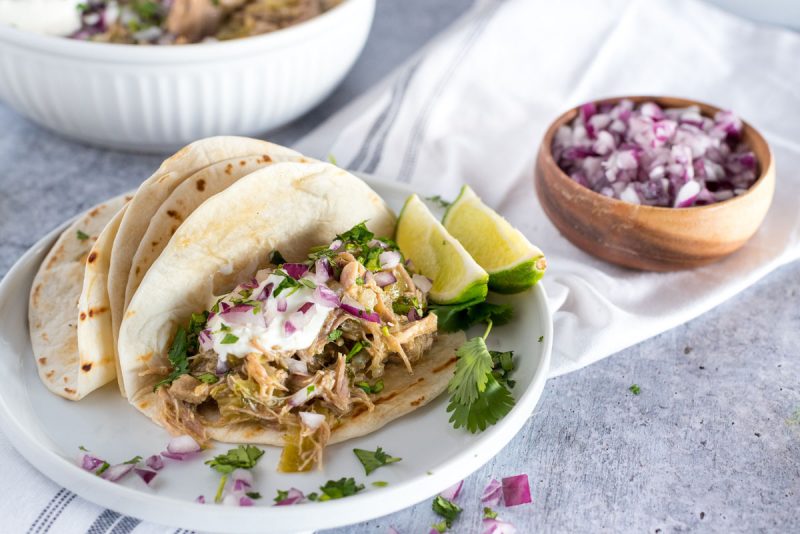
<point>154,462</point>
<point>495,526</point>
<point>392,530</point>
<point>492,493</point>
<point>673,157</point>
<point>516,490</point>
<point>423,283</point>
<point>293,496</point>
<point>384,278</point>
<point>453,491</point>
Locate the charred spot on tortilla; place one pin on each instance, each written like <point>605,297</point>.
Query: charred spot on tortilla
<point>174,214</point>
<point>445,365</point>
<point>50,373</point>
<point>86,367</point>
<point>42,361</point>
<point>70,391</point>
<point>97,311</point>
<point>265,158</point>
<point>92,257</point>
<point>229,168</point>
<point>83,316</point>
<point>242,162</point>
<point>201,185</point>
<point>138,269</point>
<point>95,212</point>
<point>418,401</point>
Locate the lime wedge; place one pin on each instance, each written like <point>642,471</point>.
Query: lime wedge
<point>457,278</point>
<point>513,263</point>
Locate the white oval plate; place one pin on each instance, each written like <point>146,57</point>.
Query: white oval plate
<point>47,430</point>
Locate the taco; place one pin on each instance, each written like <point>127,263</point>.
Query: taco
<point>68,311</point>
<point>201,160</point>
<point>279,313</point>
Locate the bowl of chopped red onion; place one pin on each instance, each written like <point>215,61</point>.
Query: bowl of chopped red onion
<point>654,183</point>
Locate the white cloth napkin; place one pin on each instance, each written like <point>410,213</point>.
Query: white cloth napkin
<point>473,107</point>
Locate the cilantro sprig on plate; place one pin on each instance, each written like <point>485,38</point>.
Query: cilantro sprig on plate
<point>372,460</point>
<point>241,457</point>
<point>477,398</point>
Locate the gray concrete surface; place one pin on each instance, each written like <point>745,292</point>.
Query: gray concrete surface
<point>711,444</point>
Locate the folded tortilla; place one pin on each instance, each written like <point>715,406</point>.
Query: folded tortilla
<point>289,207</point>
<point>68,312</point>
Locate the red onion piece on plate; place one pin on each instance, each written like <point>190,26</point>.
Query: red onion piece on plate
<point>147,475</point>
<point>116,472</point>
<point>154,462</point>
<point>293,496</point>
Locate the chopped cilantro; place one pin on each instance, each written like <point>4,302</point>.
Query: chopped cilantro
<point>310,389</point>
<point>541,338</point>
<point>635,389</point>
<point>82,236</point>
<point>332,159</point>
<point>448,510</point>
<point>135,460</point>
<point>440,527</point>
<point>282,494</point>
<point>288,283</point>
<point>358,347</point>
<point>208,378</point>
<point>357,235</point>
<point>334,335</point>
<point>82,448</point>
<point>462,316</point>
<point>404,304</point>
<point>377,387</point>
<point>253,494</point>
<point>276,258</point>
<point>229,339</point>
<point>242,457</point>
<point>488,513</point>
<point>477,399</point>
<point>380,483</point>
<point>371,460</point>
<point>336,489</point>
<point>102,468</point>
<point>436,199</point>
<point>503,365</point>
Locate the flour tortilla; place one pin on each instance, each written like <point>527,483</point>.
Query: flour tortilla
<point>155,190</point>
<point>53,313</point>
<point>184,200</point>
<point>289,207</point>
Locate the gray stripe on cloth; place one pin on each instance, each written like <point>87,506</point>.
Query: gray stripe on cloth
<point>381,141</point>
<point>125,525</point>
<point>386,118</point>
<point>51,511</point>
<point>484,16</point>
<point>104,522</point>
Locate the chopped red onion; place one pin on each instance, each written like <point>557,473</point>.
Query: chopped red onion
<point>224,306</point>
<point>89,462</point>
<point>336,244</point>
<point>325,297</point>
<point>293,496</point>
<point>423,283</point>
<point>289,328</point>
<point>305,307</point>
<point>240,486</point>
<point>245,501</point>
<point>183,445</point>
<point>389,259</point>
<point>239,314</point>
<point>206,343</point>
<point>516,490</point>
<point>252,284</point>
<point>653,156</point>
<point>200,499</point>
<point>302,395</point>
<point>392,530</point>
<point>413,315</point>
<point>372,317</point>
<point>282,304</point>
<point>492,493</point>
<point>384,278</point>
<point>265,293</point>
<point>154,462</point>
<point>231,500</point>
<point>368,277</point>
<point>242,475</point>
<point>147,475</point>
<point>322,271</point>
<point>116,472</point>
<point>452,492</point>
<point>312,420</point>
<point>377,243</point>
<point>295,270</point>
<point>222,368</point>
<point>495,526</point>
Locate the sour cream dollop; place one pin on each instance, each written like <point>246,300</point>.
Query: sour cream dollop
<point>52,17</point>
<point>245,328</point>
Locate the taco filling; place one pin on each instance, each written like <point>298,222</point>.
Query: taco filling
<point>300,345</point>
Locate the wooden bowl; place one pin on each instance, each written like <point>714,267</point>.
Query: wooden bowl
<point>647,237</point>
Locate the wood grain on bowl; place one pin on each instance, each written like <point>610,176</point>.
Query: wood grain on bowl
<point>647,237</point>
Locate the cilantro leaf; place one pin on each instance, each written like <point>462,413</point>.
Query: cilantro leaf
<point>337,489</point>
<point>253,494</point>
<point>635,389</point>
<point>241,457</point>
<point>357,235</point>
<point>135,460</point>
<point>493,404</point>
<point>488,513</point>
<point>371,460</point>
<point>208,378</point>
<point>473,369</point>
<point>377,387</point>
<point>282,494</point>
<point>462,316</point>
<point>380,483</point>
<point>448,510</point>
<point>503,363</point>
<point>358,347</point>
<point>335,334</point>
<point>332,159</point>
<point>541,339</point>
<point>82,236</point>
<point>229,339</point>
<point>440,527</point>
